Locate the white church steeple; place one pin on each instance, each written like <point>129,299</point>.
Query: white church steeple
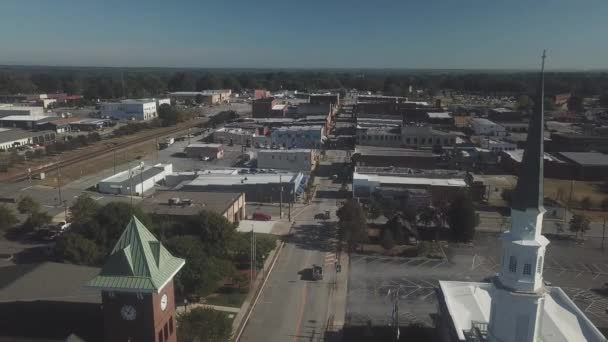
<point>519,294</point>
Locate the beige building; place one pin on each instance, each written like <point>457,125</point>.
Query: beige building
<point>231,205</point>
<point>292,160</point>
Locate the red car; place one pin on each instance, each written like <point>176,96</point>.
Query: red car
<point>260,216</point>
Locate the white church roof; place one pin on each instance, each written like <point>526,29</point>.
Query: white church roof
<point>561,319</point>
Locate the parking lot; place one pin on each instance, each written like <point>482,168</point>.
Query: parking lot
<point>581,271</point>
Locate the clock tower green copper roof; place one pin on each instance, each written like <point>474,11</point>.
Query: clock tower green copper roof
<point>138,263</point>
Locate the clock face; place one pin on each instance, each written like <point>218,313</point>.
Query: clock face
<point>164,300</point>
<point>128,313</point>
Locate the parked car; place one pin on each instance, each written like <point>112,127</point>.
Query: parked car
<point>260,216</point>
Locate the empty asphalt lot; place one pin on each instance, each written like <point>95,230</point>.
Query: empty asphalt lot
<point>581,270</point>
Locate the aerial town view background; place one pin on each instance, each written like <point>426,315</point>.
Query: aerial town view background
<point>291,186</point>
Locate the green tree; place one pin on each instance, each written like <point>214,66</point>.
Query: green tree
<point>579,224</point>
<point>604,204</point>
<point>575,103</point>
<point>374,211</point>
<point>428,216</point>
<point>524,102</point>
<point>352,225</point>
<point>167,115</point>
<point>586,203</point>
<point>7,217</point>
<point>35,220</point>
<point>204,325</point>
<point>214,231</point>
<point>202,274</point>
<point>604,99</point>
<point>240,248</point>
<point>27,205</point>
<point>83,209</point>
<point>76,249</point>
<point>387,241</point>
<point>462,218</point>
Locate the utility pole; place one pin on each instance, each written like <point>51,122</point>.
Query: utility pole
<point>59,181</point>
<point>114,162</point>
<point>130,186</point>
<point>252,259</point>
<point>281,197</point>
<point>603,232</point>
<point>141,173</point>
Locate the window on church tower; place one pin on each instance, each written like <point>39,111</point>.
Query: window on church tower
<point>527,269</point>
<point>539,265</point>
<point>512,264</point>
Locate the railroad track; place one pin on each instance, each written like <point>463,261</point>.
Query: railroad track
<point>100,152</point>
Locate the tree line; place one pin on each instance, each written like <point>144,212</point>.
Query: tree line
<point>105,83</point>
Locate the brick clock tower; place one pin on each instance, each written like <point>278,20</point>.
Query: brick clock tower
<point>136,284</point>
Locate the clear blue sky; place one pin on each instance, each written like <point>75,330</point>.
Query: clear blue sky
<point>306,33</point>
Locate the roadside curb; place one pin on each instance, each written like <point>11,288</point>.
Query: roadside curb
<point>240,322</point>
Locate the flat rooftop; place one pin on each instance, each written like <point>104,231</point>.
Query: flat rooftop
<point>204,145</point>
<point>293,150</point>
<point>587,158</point>
<point>25,117</point>
<point>392,152</point>
<point>217,202</point>
<point>47,281</point>
<point>405,179</point>
<point>13,134</point>
<point>439,115</point>
<point>134,175</point>
<point>236,179</point>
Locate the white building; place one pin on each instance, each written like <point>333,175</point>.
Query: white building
<point>496,145</point>
<point>10,110</point>
<point>366,180</point>
<point>11,138</point>
<point>517,306</point>
<point>238,136</point>
<point>292,160</point>
<point>135,180</point>
<point>486,127</point>
<point>130,109</point>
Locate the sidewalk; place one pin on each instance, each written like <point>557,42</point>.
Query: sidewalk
<point>337,312</point>
<point>180,308</point>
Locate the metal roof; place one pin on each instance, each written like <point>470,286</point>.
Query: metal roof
<point>587,158</point>
<point>138,262</point>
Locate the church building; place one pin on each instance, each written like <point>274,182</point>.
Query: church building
<point>517,306</point>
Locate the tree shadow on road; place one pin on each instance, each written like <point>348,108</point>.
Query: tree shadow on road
<point>314,236</point>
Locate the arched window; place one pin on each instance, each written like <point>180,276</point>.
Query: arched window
<point>539,265</point>
<point>512,264</point>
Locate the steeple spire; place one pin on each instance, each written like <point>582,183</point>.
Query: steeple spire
<point>529,190</point>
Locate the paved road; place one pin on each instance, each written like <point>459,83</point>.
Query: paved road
<point>292,307</point>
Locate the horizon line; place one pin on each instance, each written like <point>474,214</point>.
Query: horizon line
<point>328,68</point>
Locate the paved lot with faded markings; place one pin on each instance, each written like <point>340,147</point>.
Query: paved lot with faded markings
<point>581,270</point>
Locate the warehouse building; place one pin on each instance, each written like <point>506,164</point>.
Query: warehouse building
<point>441,184</point>
<point>12,138</point>
<point>230,205</point>
<point>258,187</point>
<point>589,166</point>
<point>23,121</point>
<point>292,160</point>
<point>481,126</point>
<point>209,97</point>
<point>10,109</point>
<point>397,157</point>
<point>237,136</point>
<point>210,151</point>
<point>135,181</point>
<point>130,109</point>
